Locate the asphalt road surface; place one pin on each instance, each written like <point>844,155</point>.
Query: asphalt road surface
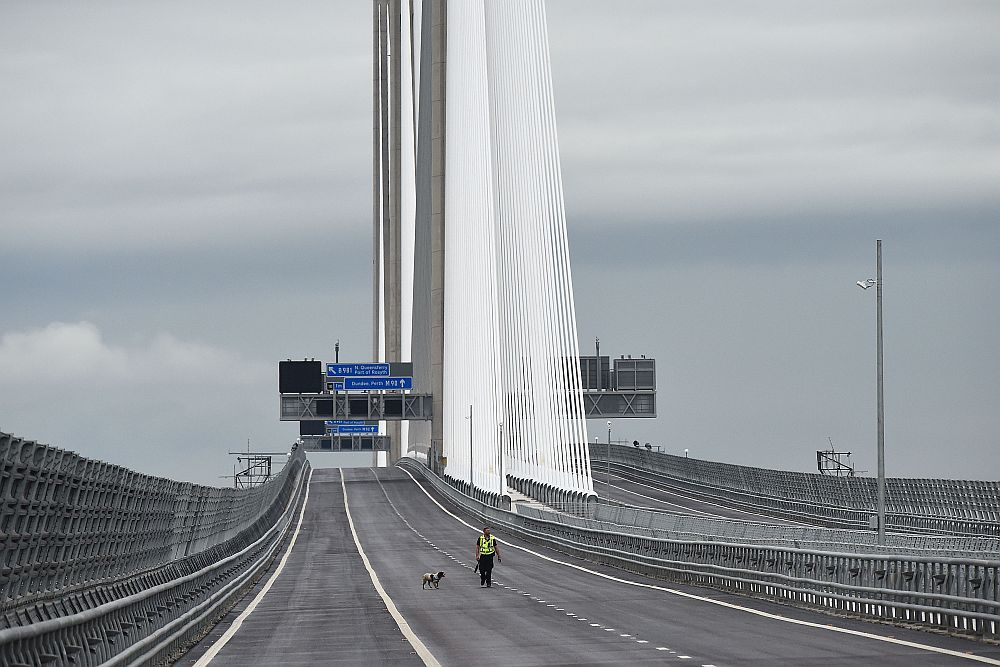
<point>545,608</point>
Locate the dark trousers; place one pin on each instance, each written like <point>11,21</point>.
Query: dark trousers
<point>485,569</point>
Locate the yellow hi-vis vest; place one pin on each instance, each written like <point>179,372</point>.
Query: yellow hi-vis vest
<point>486,546</point>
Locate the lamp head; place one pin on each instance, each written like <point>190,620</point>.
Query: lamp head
<point>865,284</point>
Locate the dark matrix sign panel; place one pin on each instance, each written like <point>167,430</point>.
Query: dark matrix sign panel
<point>300,377</point>
<point>312,428</point>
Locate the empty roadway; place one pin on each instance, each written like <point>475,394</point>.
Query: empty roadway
<point>324,609</point>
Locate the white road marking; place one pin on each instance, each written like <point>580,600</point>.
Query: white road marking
<point>721,603</point>
<point>228,634</point>
<point>404,627</point>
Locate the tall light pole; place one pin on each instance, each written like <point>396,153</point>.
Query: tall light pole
<point>503,480</point>
<point>609,460</point>
<point>470,450</point>
<point>865,284</point>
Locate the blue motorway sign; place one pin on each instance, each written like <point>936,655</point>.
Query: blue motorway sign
<point>378,383</point>
<point>357,370</point>
<point>348,430</point>
<point>338,386</point>
<point>345,422</point>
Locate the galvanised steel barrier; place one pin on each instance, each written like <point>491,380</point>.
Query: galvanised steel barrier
<point>793,510</point>
<point>639,521</point>
<point>103,565</point>
<point>957,595</point>
<point>912,505</point>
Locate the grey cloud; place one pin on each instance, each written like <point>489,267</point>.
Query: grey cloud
<point>202,173</point>
<point>723,111</point>
<point>127,121</point>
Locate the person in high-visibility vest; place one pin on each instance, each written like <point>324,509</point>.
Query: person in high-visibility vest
<point>486,548</point>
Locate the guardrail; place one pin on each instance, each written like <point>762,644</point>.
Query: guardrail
<point>913,505</point>
<point>638,521</point>
<point>958,595</point>
<point>103,565</point>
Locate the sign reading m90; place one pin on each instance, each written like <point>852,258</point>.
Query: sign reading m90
<point>378,383</point>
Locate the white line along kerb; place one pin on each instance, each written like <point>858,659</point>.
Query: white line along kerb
<point>730,605</point>
<point>404,627</point>
<point>228,634</point>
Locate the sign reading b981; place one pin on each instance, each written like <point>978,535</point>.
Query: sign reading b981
<point>357,370</point>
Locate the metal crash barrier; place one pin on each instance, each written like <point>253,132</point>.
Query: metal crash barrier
<point>957,507</point>
<point>104,565</point>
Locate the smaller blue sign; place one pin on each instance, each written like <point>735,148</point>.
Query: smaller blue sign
<point>349,430</point>
<point>370,383</point>
<point>338,386</point>
<point>357,370</point>
<point>345,422</point>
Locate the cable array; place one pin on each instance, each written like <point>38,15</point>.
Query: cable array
<point>512,389</point>
<point>512,401</point>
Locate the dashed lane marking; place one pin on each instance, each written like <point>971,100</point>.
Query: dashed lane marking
<point>500,585</point>
<point>728,605</point>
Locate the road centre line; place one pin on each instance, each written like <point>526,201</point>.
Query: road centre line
<point>730,605</point>
<point>422,652</point>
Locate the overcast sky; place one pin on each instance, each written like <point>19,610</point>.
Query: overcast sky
<point>185,200</point>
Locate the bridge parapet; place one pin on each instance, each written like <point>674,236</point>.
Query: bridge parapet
<point>930,505</point>
<point>98,559</point>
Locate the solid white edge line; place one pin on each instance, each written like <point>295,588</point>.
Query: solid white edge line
<point>404,627</point>
<point>730,605</point>
<point>228,634</point>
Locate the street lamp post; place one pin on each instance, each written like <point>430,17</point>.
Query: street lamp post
<point>865,284</point>
<point>609,460</point>
<point>503,480</point>
<point>470,451</point>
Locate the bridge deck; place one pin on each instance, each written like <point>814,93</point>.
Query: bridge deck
<point>323,608</point>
